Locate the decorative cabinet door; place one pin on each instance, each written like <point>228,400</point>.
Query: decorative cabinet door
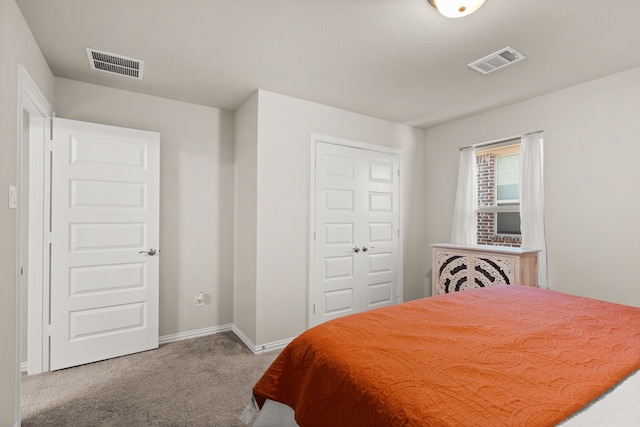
<point>493,270</point>
<point>460,267</point>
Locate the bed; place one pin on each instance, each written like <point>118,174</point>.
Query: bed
<point>504,355</point>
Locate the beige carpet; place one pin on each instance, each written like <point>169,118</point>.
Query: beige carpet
<point>198,382</point>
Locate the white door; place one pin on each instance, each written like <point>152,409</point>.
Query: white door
<point>104,242</point>
<point>356,247</point>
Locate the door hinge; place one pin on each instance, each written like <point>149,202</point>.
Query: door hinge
<point>398,173</point>
<point>398,232</point>
<point>47,237</point>
<point>49,145</point>
<point>314,309</point>
<point>47,330</point>
<point>314,234</point>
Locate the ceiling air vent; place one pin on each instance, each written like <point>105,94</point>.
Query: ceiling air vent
<point>497,60</point>
<point>115,64</point>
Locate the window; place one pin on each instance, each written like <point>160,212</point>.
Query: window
<point>499,194</point>
<point>508,193</point>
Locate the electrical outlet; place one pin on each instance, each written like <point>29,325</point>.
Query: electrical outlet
<point>200,299</point>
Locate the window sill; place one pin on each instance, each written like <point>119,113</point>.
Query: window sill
<point>508,237</point>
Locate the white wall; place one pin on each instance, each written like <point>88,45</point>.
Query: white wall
<point>17,46</point>
<point>592,180</point>
<point>196,195</point>
<point>285,126</point>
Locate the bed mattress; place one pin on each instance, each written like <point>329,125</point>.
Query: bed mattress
<point>506,355</point>
<point>618,407</point>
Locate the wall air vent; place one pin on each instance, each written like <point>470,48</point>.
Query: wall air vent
<point>497,60</point>
<point>115,64</point>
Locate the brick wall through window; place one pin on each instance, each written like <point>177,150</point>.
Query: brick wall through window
<point>486,197</point>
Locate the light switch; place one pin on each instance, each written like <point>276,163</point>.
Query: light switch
<point>13,197</point>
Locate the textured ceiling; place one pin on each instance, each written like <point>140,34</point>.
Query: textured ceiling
<point>398,60</point>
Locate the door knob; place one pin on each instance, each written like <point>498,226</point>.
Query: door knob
<point>355,249</point>
<point>150,252</point>
<point>365,248</point>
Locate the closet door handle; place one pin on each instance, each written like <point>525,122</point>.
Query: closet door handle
<point>365,249</point>
<point>355,249</point>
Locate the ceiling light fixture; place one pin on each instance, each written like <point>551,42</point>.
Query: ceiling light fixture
<point>456,8</point>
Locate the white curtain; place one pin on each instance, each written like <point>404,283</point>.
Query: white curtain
<point>532,201</point>
<point>465,224</point>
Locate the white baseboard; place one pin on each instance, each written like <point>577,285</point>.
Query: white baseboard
<point>194,334</point>
<point>256,349</point>
<point>275,345</point>
<point>245,339</point>
<point>264,348</point>
<point>197,333</point>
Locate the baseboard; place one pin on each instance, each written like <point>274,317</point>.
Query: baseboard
<point>245,339</point>
<point>256,349</point>
<point>275,345</point>
<point>197,333</point>
<point>259,349</point>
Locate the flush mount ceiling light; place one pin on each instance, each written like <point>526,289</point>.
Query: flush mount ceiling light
<point>456,8</point>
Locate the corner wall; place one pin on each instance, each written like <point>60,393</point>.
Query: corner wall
<point>17,46</point>
<point>285,126</point>
<point>592,180</point>
<point>245,217</point>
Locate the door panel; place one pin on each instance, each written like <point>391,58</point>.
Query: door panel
<point>95,279</point>
<point>104,216</point>
<point>380,263</point>
<point>337,294</point>
<point>86,194</point>
<point>380,232</point>
<point>356,231</point>
<point>380,294</point>
<point>382,219</point>
<point>95,322</point>
<point>338,302</point>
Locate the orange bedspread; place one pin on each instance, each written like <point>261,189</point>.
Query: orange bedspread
<point>500,356</point>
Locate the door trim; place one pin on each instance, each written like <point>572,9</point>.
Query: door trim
<point>38,251</point>
<point>319,138</point>
<point>30,99</point>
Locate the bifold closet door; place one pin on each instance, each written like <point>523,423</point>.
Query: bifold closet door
<point>356,246</point>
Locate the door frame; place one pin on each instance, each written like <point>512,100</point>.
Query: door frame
<point>38,250</point>
<point>31,100</point>
<point>319,138</point>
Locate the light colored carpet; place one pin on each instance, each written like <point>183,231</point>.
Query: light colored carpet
<point>198,382</point>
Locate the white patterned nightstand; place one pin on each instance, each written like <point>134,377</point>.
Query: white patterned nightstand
<point>461,267</point>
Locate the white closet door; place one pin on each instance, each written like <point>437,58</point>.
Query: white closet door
<point>380,235</point>
<point>356,265</point>
<point>104,241</point>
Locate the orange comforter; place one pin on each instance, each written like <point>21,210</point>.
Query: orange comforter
<point>505,355</point>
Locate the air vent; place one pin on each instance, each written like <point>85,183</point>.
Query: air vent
<point>115,64</point>
<point>497,60</point>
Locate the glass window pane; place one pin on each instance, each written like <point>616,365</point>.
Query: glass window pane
<point>508,177</point>
<point>508,223</point>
